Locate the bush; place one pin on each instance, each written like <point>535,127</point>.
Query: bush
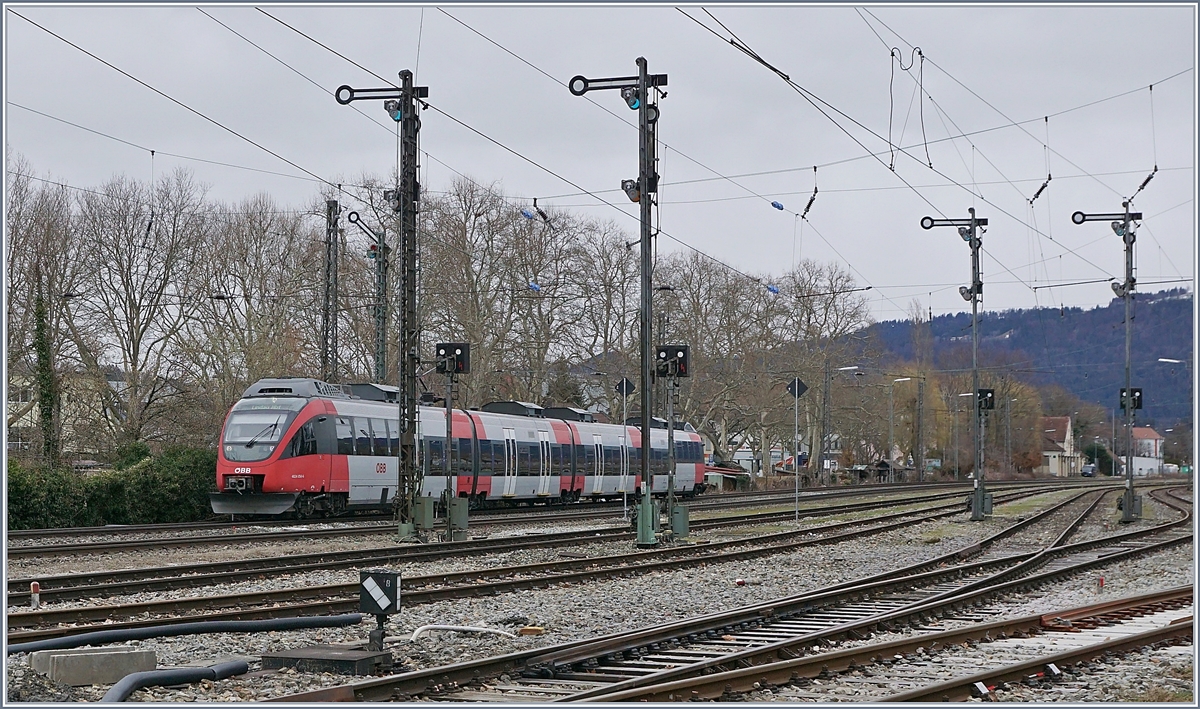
<point>170,487</point>
<point>131,454</point>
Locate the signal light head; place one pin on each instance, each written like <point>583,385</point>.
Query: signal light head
<point>631,190</point>
<point>632,97</point>
<point>965,292</point>
<point>392,106</point>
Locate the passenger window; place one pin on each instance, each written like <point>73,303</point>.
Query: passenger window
<point>345,435</point>
<point>485,457</point>
<point>462,457</point>
<point>435,457</point>
<point>379,433</point>
<point>362,435</point>
<point>393,436</point>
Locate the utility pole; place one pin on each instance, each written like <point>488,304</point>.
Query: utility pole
<point>329,329</point>
<point>957,444</point>
<point>919,449</point>
<point>636,90</point>
<point>378,252</point>
<point>1008,433</point>
<point>401,104</point>
<point>824,421</point>
<point>891,427</point>
<point>1131,398</point>
<point>970,230</point>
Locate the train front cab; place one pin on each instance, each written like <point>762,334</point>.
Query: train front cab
<point>274,451</point>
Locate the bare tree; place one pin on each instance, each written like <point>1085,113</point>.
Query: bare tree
<point>141,245</point>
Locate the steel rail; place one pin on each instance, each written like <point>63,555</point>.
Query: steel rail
<point>775,674</point>
<point>49,550</point>
<point>480,517</point>
<point>417,683</point>
<point>962,688</point>
<point>499,512</point>
<point>531,576</point>
<point>98,584</point>
<point>972,594</point>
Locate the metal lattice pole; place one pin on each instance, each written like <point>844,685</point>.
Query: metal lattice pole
<point>329,329</point>
<point>410,328</point>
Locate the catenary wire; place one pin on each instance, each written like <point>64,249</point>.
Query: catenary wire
<point>173,100</point>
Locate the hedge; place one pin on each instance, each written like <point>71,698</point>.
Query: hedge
<point>171,487</point>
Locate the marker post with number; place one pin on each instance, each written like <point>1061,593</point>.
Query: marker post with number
<point>378,595</point>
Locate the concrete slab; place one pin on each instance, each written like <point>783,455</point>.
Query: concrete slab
<point>329,658</point>
<point>84,666</point>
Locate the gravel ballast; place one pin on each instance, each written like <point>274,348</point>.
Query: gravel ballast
<point>589,609</point>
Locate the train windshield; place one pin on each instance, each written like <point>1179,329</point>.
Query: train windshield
<point>255,427</point>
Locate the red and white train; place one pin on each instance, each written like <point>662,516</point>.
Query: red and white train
<point>303,446</point>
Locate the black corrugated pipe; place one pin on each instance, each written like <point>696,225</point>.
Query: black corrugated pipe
<point>129,684</point>
<point>102,637</point>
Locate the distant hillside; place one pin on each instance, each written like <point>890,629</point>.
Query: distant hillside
<point>1081,350</point>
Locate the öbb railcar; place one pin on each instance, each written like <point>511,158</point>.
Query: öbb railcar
<point>304,447</point>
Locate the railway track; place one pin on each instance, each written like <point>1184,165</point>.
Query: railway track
<point>632,666</point>
<point>507,519</point>
<point>340,598</point>
<point>101,584</point>
<point>368,520</point>
<point>957,664</point>
<point>382,525</point>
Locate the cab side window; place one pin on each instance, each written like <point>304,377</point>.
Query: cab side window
<point>304,442</point>
<point>345,435</point>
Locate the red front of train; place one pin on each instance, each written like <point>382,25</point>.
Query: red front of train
<point>269,458</point>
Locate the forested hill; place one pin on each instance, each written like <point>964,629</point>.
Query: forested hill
<point>1081,350</point>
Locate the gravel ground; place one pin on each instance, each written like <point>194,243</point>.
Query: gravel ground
<point>467,563</point>
<point>117,560</point>
<point>1135,677</point>
<point>588,609</point>
<point>133,534</point>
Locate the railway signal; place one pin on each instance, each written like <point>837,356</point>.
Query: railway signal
<point>970,230</point>
<point>672,361</point>
<point>797,389</point>
<point>453,358</point>
<point>1123,226</point>
<point>639,87</point>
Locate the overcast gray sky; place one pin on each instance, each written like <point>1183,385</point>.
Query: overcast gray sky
<point>725,116</point>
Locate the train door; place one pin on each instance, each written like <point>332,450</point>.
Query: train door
<point>598,468</point>
<point>623,484</point>
<point>510,462</point>
<point>545,467</point>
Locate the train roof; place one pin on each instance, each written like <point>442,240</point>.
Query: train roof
<point>515,408</point>
<point>569,413</point>
<point>305,387</point>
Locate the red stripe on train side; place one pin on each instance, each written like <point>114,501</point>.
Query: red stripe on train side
<point>483,483</point>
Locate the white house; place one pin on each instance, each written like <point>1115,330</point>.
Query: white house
<point>1059,457</point>
<point>1148,447</point>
